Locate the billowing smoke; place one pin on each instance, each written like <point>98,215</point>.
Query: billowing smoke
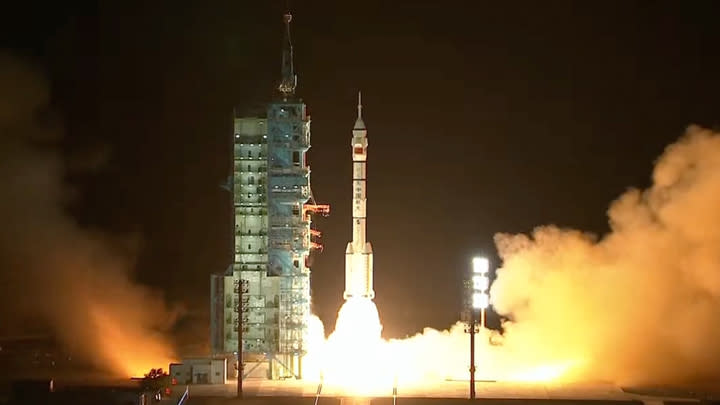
<point>640,305</point>
<point>53,271</point>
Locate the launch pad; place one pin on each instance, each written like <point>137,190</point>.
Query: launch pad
<point>497,392</point>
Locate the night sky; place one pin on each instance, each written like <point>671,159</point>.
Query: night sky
<point>482,118</point>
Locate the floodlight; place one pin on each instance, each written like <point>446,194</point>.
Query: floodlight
<point>481,282</point>
<point>480,265</point>
<point>480,300</point>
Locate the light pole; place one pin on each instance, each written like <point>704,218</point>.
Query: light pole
<point>480,301</point>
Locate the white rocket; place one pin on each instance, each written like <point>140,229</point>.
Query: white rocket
<point>358,255</point>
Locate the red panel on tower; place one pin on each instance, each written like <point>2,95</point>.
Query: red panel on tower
<point>358,150</point>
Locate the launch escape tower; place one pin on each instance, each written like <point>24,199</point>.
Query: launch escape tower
<point>272,206</point>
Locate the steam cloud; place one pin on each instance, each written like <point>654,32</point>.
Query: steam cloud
<point>70,278</point>
<point>641,304</point>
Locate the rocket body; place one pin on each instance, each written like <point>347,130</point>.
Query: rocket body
<point>358,255</point>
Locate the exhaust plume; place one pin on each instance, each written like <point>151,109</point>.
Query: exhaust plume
<point>54,271</point>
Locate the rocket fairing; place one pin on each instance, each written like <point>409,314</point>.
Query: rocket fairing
<point>358,255</point>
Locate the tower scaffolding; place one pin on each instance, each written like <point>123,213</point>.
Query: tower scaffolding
<point>267,288</point>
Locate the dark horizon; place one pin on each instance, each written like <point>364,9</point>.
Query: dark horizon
<point>482,118</point>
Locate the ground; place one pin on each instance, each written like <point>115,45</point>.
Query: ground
<point>263,392</point>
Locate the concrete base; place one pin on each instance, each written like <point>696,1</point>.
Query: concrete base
<point>498,393</point>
